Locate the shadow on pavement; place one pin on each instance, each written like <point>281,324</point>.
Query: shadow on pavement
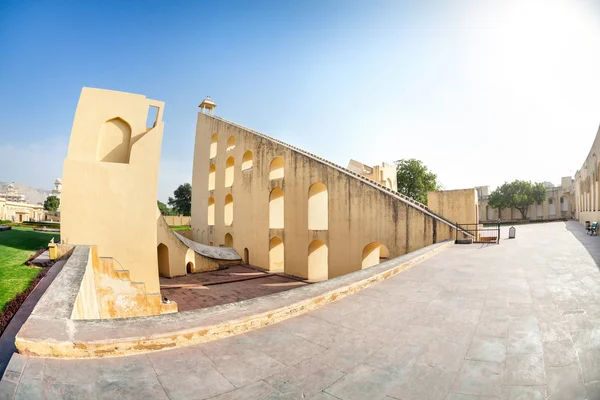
<point>591,243</point>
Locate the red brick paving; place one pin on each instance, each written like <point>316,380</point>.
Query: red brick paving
<point>191,298</point>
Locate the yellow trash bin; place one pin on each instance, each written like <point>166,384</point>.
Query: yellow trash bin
<point>53,250</point>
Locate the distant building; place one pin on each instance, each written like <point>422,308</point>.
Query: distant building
<point>12,194</point>
<point>14,207</point>
<point>384,174</point>
<point>57,191</point>
<point>557,205</point>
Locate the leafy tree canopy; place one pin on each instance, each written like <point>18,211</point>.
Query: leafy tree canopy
<point>518,194</point>
<point>51,203</point>
<point>182,203</point>
<point>415,180</point>
<point>164,209</point>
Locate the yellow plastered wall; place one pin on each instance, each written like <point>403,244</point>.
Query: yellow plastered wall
<point>455,205</point>
<point>356,215</point>
<point>109,195</point>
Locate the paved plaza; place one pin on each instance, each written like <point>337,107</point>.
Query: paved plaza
<point>519,320</point>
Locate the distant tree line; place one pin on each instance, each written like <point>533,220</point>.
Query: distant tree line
<point>180,203</point>
<point>518,194</point>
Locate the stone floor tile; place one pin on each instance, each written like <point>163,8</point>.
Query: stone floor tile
<point>324,396</point>
<point>577,321</point>
<point>286,348</point>
<point>565,383</point>
<point>559,353</point>
<point>315,330</point>
<point>34,368</point>
<point>423,382</point>
<point>444,355</point>
<point>482,378</point>
<point>549,315</point>
<point>586,339</point>
<point>346,355</point>
<point>524,323</point>
<point>69,391</point>
<point>487,349</point>
<point>70,371</point>
<point>492,329</point>
<point>552,331</point>
<point>364,382</point>
<point>458,332</point>
<point>590,364</point>
<point>246,367</point>
<point>183,359</point>
<point>305,379</point>
<point>7,389</point>
<point>30,389</point>
<point>593,390</point>
<point>523,393</point>
<point>145,388</point>
<point>462,396</point>
<point>524,369</point>
<point>197,384</point>
<point>126,368</point>
<point>524,342</point>
<point>397,360</point>
<point>256,391</point>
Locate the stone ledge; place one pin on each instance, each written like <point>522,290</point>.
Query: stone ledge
<point>47,333</point>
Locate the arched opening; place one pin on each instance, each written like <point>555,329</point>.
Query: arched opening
<point>246,256</point>
<point>212,170</point>
<point>228,215</point>
<point>318,265</point>
<point>211,211</point>
<point>539,210</point>
<point>564,204</point>
<point>276,170</point>
<point>276,209</point>
<point>373,253</point>
<point>551,207</point>
<point>213,145</point>
<point>388,183</point>
<point>114,141</point>
<point>276,255</point>
<point>228,240</point>
<point>229,172</point>
<point>384,253</point>
<point>230,143</point>
<point>318,213</point>
<point>163,259</point>
<point>247,161</point>
<point>190,267</point>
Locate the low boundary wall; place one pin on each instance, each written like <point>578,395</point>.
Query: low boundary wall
<point>50,331</point>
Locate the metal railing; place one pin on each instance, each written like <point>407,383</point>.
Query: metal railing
<point>481,233</point>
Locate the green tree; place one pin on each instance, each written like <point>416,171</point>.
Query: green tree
<point>51,203</point>
<point>415,180</point>
<point>164,209</point>
<point>518,194</point>
<point>182,203</point>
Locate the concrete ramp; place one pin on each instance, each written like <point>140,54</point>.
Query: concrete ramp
<point>178,255</point>
<point>218,253</point>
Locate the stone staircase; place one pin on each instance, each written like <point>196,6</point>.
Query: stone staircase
<point>120,297</point>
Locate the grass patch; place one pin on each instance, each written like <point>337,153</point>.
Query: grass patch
<point>16,246</point>
<point>181,227</point>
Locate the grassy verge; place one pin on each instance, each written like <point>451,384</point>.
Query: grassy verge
<point>181,227</point>
<point>16,246</point>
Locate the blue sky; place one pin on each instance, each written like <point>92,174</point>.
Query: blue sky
<point>481,91</point>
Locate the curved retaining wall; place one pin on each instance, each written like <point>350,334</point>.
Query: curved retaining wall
<point>50,331</point>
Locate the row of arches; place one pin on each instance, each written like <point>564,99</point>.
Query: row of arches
<point>228,210</point>
<point>276,170</point>
<point>317,208</point>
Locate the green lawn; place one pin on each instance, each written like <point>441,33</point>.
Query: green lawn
<point>181,227</point>
<point>16,246</point>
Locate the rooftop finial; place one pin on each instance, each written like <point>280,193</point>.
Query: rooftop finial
<point>207,106</point>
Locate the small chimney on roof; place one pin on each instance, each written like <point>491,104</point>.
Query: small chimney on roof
<point>207,106</point>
